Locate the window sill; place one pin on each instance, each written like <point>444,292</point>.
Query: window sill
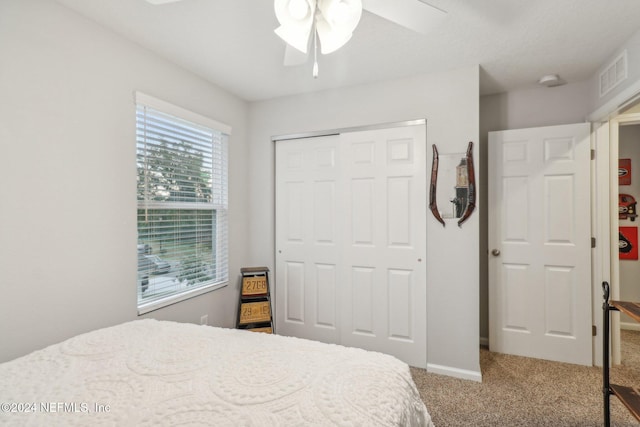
<point>173,299</point>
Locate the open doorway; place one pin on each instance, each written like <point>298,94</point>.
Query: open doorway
<point>606,220</point>
<point>628,222</point>
<point>616,220</point>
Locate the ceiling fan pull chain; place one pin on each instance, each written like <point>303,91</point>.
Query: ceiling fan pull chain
<point>315,55</point>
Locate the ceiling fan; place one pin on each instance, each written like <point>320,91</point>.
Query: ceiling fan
<point>331,22</point>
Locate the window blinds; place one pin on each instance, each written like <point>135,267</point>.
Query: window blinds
<point>182,194</point>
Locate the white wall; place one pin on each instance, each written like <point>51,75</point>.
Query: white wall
<point>629,148</point>
<point>449,101</point>
<point>67,168</point>
<point>536,107</point>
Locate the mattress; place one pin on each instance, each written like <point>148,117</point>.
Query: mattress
<point>159,373</point>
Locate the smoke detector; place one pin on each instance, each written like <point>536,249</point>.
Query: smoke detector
<point>551,80</point>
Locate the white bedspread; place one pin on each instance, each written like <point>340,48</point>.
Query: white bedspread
<point>152,373</point>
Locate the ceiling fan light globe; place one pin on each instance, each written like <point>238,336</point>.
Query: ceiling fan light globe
<point>294,12</point>
<point>337,13</point>
<point>293,30</point>
<point>342,14</point>
<point>298,9</point>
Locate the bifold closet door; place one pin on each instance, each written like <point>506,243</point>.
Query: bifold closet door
<point>351,240</point>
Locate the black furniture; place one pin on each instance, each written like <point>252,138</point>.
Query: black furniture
<point>628,395</point>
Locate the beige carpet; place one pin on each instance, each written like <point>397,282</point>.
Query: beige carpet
<point>519,391</point>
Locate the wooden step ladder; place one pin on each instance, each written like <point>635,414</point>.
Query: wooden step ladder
<point>254,306</point>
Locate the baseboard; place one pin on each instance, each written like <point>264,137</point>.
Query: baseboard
<point>484,341</point>
<point>455,372</point>
<point>630,326</point>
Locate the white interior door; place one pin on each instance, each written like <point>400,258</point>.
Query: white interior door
<point>351,240</point>
<point>539,243</point>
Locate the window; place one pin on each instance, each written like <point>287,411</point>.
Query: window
<point>182,203</point>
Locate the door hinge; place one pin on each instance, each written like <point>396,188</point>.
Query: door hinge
<point>593,242</point>
<point>594,330</point>
<point>593,154</point>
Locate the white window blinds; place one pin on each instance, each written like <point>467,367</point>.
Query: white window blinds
<point>182,203</point>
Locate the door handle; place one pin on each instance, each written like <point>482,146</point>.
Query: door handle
<point>495,252</point>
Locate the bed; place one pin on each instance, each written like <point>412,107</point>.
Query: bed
<point>156,373</point>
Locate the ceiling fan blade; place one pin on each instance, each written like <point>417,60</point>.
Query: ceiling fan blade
<point>413,14</point>
<point>159,2</point>
<point>293,56</point>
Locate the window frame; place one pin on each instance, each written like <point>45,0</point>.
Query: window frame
<point>220,245</point>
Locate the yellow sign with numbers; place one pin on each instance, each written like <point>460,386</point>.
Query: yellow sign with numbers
<point>255,312</point>
<point>253,286</point>
<point>267,330</point>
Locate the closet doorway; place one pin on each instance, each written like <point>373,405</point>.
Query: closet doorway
<point>351,211</point>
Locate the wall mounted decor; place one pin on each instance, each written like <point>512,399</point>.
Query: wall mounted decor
<point>628,243</point>
<point>624,171</point>
<point>471,194</point>
<point>433,203</point>
<point>456,175</point>
<point>627,207</point>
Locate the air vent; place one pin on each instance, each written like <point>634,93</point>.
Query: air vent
<point>614,74</point>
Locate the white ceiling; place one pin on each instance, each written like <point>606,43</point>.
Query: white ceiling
<point>231,42</point>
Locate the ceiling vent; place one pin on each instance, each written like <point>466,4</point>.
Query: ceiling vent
<point>614,74</point>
